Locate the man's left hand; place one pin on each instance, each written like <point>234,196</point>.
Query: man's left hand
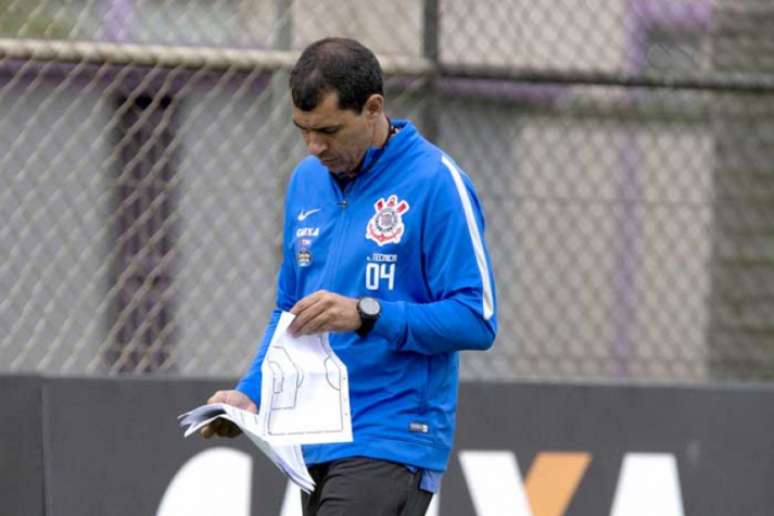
<point>324,311</point>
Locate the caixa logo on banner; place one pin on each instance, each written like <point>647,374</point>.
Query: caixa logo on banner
<point>648,484</point>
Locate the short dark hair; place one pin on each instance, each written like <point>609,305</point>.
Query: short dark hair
<point>338,65</point>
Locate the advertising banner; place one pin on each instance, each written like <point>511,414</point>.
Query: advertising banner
<point>112,447</point>
<point>21,445</point>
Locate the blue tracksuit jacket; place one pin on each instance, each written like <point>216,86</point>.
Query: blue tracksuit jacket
<point>408,231</point>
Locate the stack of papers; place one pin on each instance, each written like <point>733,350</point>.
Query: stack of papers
<point>304,400</point>
<point>288,458</point>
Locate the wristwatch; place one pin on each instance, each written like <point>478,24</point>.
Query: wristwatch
<point>369,310</point>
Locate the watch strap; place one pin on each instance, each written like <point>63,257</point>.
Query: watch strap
<point>367,321</point>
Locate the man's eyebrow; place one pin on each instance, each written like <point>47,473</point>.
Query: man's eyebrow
<point>327,128</point>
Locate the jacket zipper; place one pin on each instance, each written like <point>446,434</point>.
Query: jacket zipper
<point>341,225</point>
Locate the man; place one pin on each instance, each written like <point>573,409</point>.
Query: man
<point>384,249</point>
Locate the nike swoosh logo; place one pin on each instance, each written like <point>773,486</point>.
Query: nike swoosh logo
<point>304,214</point>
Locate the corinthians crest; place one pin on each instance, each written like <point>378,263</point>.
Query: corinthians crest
<point>386,226</point>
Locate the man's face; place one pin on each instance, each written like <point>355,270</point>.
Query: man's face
<point>338,137</point>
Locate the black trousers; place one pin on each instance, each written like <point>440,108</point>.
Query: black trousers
<point>364,487</point>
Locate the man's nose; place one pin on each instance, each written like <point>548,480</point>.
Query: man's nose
<point>316,144</point>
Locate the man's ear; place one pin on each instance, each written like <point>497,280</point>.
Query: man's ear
<point>374,106</point>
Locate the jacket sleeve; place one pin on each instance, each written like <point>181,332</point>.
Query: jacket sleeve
<point>250,383</point>
<point>457,271</point>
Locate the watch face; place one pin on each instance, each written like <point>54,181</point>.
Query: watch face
<point>369,306</point>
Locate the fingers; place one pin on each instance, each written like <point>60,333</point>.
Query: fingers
<point>240,400</point>
<point>209,430</point>
<point>314,319</point>
<point>218,397</point>
<point>206,431</point>
<point>221,428</point>
<point>232,431</point>
<point>309,309</point>
<point>306,302</point>
<point>324,311</point>
<point>249,406</point>
<point>234,398</point>
<point>227,429</point>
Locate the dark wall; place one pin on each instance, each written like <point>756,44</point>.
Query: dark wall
<point>722,438</point>
<point>21,446</point>
<point>116,446</point>
<point>111,447</point>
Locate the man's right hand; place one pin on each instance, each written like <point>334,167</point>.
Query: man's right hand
<point>221,427</point>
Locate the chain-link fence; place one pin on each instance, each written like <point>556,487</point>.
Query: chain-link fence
<point>623,151</point>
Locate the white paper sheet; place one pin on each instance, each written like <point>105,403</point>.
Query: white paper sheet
<point>304,400</point>
<point>304,391</point>
<point>288,458</point>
